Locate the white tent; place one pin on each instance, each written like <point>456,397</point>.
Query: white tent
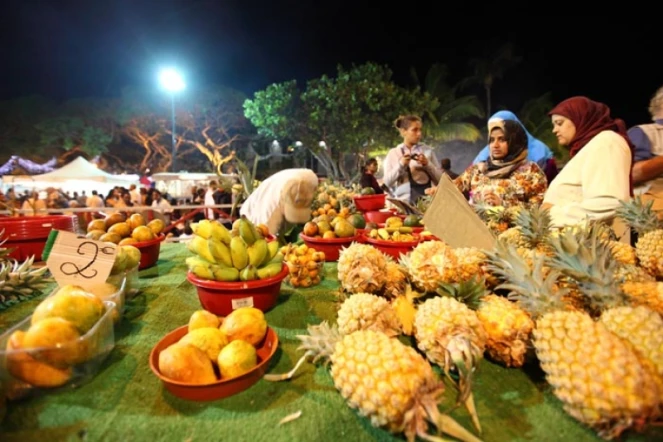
<point>178,185</point>
<point>72,176</point>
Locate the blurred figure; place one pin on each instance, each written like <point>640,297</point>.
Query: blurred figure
<point>445,163</point>
<point>368,176</point>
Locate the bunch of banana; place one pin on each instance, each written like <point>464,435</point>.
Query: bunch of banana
<point>242,254</point>
<point>401,234</point>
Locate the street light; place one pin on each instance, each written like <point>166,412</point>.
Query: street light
<point>173,82</point>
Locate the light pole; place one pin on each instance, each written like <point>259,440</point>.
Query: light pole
<point>172,81</point>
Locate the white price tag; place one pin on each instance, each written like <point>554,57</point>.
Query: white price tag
<point>242,302</point>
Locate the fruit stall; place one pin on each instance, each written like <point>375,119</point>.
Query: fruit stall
<point>491,386</point>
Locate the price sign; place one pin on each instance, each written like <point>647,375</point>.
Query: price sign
<point>79,260</point>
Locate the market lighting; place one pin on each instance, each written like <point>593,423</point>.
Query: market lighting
<point>173,82</point>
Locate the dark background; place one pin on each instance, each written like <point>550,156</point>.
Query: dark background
<point>67,49</point>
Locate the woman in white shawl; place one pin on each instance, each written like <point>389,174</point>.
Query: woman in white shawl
<point>284,197</point>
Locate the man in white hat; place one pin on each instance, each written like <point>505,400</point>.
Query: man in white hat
<point>284,197</point>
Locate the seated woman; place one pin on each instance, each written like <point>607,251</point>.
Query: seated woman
<point>537,150</point>
<point>507,178</point>
<point>597,176</point>
<point>368,176</point>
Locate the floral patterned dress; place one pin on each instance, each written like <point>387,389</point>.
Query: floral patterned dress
<point>525,186</point>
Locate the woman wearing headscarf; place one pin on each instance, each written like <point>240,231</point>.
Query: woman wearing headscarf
<point>507,178</point>
<point>597,177</point>
<point>537,150</point>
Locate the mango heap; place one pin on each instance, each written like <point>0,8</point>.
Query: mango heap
<point>215,348</point>
<point>242,254</point>
<point>119,229</point>
<point>304,264</point>
<point>55,332</point>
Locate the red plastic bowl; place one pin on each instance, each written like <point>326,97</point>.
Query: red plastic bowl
<point>221,298</point>
<point>380,216</point>
<point>414,229</point>
<point>331,247</point>
<point>393,248</point>
<point>219,389</point>
<point>366,203</point>
<point>149,251</point>
<point>27,235</point>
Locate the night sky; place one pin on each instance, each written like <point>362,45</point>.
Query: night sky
<point>65,49</point>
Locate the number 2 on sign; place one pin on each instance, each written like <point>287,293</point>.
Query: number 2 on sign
<point>85,248</point>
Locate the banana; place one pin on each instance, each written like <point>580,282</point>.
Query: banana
<point>258,252</point>
<point>202,271</point>
<point>383,234</point>
<point>200,247</point>
<point>257,233</point>
<point>226,274</point>
<point>203,228</point>
<point>246,232</point>
<point>220,252</point>
<point>401,229</point>
<point>220,232</point>
<point>273,247</point>
<point>270,270</point>
<point>248,274</point>
<point>278,258</point>
<point>239,253</point>
<point>196,260</point>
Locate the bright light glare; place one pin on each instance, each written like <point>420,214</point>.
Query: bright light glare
<point>171,80</point>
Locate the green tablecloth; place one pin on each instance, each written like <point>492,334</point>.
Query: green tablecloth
<point>125,401</point>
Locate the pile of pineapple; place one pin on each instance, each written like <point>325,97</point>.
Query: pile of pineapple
<point>587,305</point>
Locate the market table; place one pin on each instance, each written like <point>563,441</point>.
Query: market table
<point>125,401</point>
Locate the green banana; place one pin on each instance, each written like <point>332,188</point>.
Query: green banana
<point>239,253</point>
<point>278,258</point>
<point>270,270</point>
<point>226,274</point>
<point>220,232</point>
<point>258,252</point>
<point>273,247</point>
<point>220,252</point>
<point>246,232</point>
<point>248,274</point>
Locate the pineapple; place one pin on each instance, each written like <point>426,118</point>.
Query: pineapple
<point>362,269</point>
<point>591,264</point>
<point>384,380</point>
<point>429,263</point>
<point>4,252</point>
<point>19,282</point>
<point>363,311</point>
<point>508,327</point>
<point>622,253</point>
<point>452,336</point>
<point>396,279</point>
<point>532,230</point>
<point>600,379</point>
<point>649,248</point>
<point>647,293</point>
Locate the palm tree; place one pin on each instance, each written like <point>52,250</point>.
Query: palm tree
<point>487,70</point>
<point>534,115</point>
<point>445,123</point>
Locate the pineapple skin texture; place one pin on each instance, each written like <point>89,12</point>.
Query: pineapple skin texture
<point>439,320</point>
<point>363,311</point>
<point>594,373</point>
<point>649,250</point>
<point>362,269</point>
<point>647,293</point>
<point>640,326</point>
<point>432,262</point>
<point>380,377</point>
<point>508,329</point>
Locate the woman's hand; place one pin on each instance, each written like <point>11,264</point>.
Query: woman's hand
<point>405,160</point>
<point>421,159</point>
<point>431,190</point>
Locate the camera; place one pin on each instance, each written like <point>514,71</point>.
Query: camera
<point>415,157</point>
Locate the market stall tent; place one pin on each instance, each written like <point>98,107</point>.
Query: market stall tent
<point>77,175</point>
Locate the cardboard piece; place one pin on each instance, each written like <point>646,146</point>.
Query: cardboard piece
<point>451,219</point>
<point>80,261</point>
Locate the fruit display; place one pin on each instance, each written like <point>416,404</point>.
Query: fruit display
<point>327,227</point>
<point>397,234</point>
<point>119,229</point>
<point>241,254</point>
<point>331,198</point>
<point>215,348</point>
<point>65,339</point>
<point>305,265</point>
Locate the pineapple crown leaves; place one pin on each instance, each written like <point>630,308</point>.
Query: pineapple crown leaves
<point>490,213</point>
<point>535,292</point>
<point>639,215</point>
<point>534,224</point>
<point>468,292</point>
<point>586,258</point>
<point>320,342</point>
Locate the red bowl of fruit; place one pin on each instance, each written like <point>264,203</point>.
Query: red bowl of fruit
<point>366,203</point>
<point>149,251</point>
<point>221,298</point>
<point>223,387</point>
<point>330,246</point>
<point>381,216</point>
<point>393,248</point>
